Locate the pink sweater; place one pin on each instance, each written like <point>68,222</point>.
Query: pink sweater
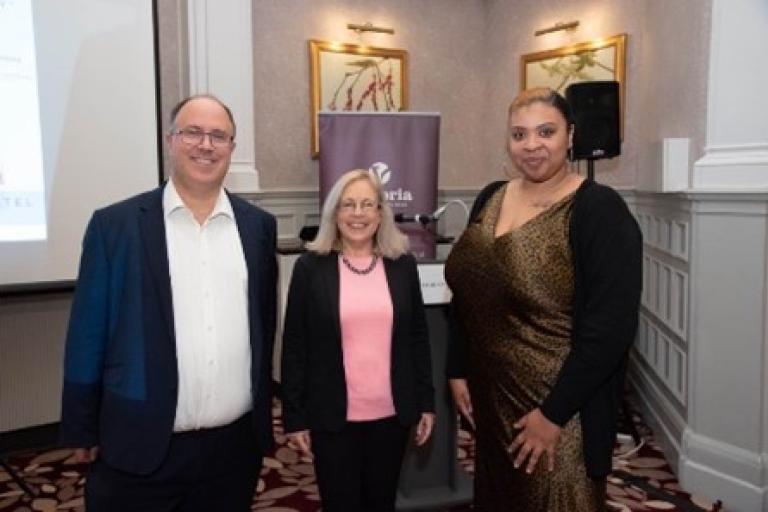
<point>365,307</point>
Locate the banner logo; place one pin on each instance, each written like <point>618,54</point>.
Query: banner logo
<point>398,198</point>
<point>381,170</point>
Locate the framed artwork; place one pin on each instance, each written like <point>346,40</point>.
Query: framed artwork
<point>599,59</point>
<point>352,78</point>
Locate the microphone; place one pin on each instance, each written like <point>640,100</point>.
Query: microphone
<point>426,218</point>
<point>422,218</point>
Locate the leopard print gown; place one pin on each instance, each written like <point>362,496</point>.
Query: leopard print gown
<point>513,296</point>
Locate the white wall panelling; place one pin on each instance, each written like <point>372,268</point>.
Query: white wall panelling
<point>669,235</point>
<point>666,294</point>
<point>660,370</point>
<point>700,355</point>
<point>661,411</point>
<point>293,209</point>
<point>665,357</point>
<point>736,156</point>
<point>221,63</point>
<point>728,407</point>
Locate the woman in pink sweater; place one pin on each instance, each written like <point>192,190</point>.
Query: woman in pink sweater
<point>356,368</point>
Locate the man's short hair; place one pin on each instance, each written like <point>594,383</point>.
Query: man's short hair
<point>175,110</point>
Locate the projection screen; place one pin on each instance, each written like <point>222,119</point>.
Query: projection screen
<point>78,126</point>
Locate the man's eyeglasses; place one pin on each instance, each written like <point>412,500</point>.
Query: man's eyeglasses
<point>195,137</point>
<point>351,206</point>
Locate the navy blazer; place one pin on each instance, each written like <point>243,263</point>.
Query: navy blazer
<point>120,370</point>
<point>313,382</point>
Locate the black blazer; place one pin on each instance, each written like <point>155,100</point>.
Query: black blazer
<point>313,381</point>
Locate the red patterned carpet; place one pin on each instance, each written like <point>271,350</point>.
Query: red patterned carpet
<point>642,481</point>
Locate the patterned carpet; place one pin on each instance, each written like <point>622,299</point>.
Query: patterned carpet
<point>641,481</point>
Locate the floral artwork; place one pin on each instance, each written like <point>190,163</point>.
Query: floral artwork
<point>351,78</point>
<point>365,85</point>
<point>600,59</point>
<point>560,72</point>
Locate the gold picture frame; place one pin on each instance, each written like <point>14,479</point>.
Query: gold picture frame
<point>351,78</point>
<point>599,59</point>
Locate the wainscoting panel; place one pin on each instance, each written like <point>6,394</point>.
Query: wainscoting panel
<point>699,362</point>
<point>664,357</point>
<point>659,372</point>
<point>293,210</point>
<point>665,295</point>
<point>662,342</point>
<point>668,234</point>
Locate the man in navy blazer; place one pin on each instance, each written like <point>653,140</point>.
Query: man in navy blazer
<point>167,370</point>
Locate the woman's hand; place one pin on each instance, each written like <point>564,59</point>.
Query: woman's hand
<point>302,441</point>
<point>424,428</point>
<point>538,436</point>
<point>461,398</point>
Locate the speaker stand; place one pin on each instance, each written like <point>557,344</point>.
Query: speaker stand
<point>590,169</point>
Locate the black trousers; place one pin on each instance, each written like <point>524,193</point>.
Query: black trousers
<point>205,470</point>
<point>358,468</point>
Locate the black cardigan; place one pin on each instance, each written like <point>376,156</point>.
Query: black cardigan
<point>607,257</point>
<point>313,381</point>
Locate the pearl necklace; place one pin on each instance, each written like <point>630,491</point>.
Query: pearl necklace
<point>360,271</point>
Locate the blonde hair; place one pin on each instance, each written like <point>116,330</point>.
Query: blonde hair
<point>389,241</point>
<point>543,95</point>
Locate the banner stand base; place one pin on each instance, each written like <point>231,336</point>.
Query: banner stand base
<point>438,497</point>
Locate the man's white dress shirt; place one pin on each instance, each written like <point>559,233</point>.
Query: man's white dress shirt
<point>209,285</point>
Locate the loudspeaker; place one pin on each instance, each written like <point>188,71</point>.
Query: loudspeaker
<point>595,107</point>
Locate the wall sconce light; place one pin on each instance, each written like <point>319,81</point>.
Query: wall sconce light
<point>368,27</point>
<point>571,25</point>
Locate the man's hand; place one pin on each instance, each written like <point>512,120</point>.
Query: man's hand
<point>461,398</point>
<point>86,455</point>
<point>538,436</point>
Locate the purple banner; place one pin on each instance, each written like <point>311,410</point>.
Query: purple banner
<point>401,148</point>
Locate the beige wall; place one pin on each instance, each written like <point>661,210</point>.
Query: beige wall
<point>673,67</point>
<point>173,69</point>
<point>445,44</point>
<point>667,62</point>
<point>464,62</point>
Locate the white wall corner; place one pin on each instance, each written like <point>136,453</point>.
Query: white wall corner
<point>670,172</point>
<point>722,472</point>
<point>242,178</point>
<point>723,446</point>
<point>732,167</point>
<point>221,63</point>
<point>736,156</point>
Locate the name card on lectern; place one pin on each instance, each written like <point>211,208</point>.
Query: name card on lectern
<point>434,289</point>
